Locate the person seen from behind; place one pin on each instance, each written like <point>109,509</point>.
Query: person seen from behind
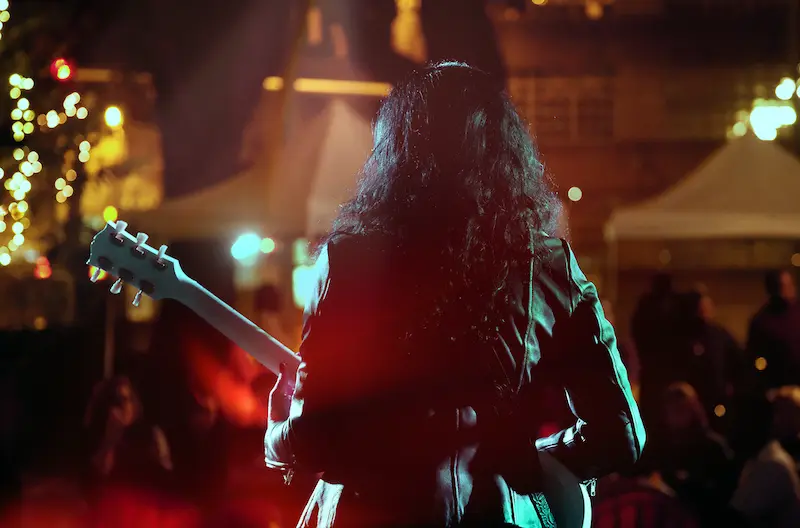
<point>441,304</point>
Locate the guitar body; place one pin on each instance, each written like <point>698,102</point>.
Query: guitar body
<point>160,276</point>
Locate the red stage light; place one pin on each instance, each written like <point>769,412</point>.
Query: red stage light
<point>42,269</point>
<point>61,69</point>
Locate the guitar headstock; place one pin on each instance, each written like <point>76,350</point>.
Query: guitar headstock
<point>132,261</point>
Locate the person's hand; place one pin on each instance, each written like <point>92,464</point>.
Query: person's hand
<point>280,398</point>
<point>280,401</point>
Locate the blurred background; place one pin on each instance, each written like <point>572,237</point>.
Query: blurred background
<point>231,131</point>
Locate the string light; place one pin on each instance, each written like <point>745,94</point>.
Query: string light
<point>767,116</point>
<point>102,275</point>
<point>25,120</point>
<point>42,270</point>
<point>5,16</point>
<point>18,184</point>
<point>113,117</point>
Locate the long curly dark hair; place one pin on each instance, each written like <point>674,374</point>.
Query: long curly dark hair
<point>454,179</point>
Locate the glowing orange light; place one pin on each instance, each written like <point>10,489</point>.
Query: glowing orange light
<point>330,86</point>
<point>61,69</point>
<point>42,269</point>
<point>102,276</point>
<point>230,382</point>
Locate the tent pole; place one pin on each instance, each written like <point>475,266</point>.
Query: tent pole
<point>281,123</point>
<point>290,73</point>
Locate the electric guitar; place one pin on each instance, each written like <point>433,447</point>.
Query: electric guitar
<point>160,276</point>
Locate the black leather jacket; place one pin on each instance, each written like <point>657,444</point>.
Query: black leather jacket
<point>398,445</point>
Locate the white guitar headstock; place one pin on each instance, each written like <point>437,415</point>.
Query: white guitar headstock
<point>132,261</point>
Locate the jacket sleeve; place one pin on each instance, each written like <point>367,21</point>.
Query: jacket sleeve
<point>330,326</point>
<point>608,435</point>
<point>284,441</point>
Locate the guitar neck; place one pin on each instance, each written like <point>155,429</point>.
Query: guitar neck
<point>263,347</point>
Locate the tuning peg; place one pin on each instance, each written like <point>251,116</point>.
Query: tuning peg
<point>137,298</point>
<point>161,252</point>
<point>141,238</point>
<point>120,226</point>
<point>116,287</point>
<point>96,275</point>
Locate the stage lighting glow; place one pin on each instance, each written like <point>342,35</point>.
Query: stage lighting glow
<point>267,245</point>
<point>246,246</point>
<point>110,213</point>
<point>113,117</point>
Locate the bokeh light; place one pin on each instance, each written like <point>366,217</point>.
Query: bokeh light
<point>110,213</point>
<point>113,117</point>
<point>785,89</point>
<point>267,245</point>
<point>246,246</point>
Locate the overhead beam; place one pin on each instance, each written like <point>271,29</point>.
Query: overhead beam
<point>330,86</point>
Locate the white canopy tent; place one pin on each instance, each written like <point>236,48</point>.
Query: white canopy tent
<point>746,189</point>
<point>222,210</point>
<point>317,171</point>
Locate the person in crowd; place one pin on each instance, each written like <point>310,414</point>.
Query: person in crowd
<point>130,465</point>
<point>127,448</point>
<point>773,342</point>
<point>787,419</point>
<point>655,331</point>
<point>692,459</point>
<point>643,501</point>
<point>715,365</point>
<point>768,493</point>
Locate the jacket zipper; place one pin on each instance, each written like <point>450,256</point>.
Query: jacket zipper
<point>591,487</point>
